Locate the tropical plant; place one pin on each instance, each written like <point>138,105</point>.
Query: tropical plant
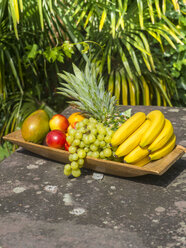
<point>29,60</point>
<point>33,50</point>
<point>126,30</point>
<point>176,59</point>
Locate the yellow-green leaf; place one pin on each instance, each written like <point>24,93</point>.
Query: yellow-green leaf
<point>117,86</point>
<point>151,11</point>
<point>124,86</point>
<point>113,23</point>
<point>146,92</point>
<point>158,8</point>
<point>21,5</point>
<point>41,13</point>
<point>111,83</point>
<point>132,92</point>
<point>103,18</point>
<point>140,9</point>
<point>88,18</point>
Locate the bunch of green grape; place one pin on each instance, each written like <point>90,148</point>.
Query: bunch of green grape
<point>89,138</point>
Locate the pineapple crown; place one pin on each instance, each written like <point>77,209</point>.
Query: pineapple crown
<point>87,92</point>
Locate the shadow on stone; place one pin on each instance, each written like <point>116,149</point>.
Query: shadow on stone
<point>162,181</point>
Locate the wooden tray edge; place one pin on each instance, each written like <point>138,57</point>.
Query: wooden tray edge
<point>158,167</point>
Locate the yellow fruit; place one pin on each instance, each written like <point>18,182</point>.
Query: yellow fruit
<point>128,128</point>
<point>133,140</point>
<point>157,122</point>
<point>35,127</point>
<point>135,155</point>
<point>142,162</point>
<point>164,150</point>
<point>75,117</point>
<point>163,137</point>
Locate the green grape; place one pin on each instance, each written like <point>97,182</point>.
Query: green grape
<point>67,172</point>
<point>76,173</point>
<point>92,120</point>
<point>74,157</point>
<point>81,153</point>
<point>102,143</point>
<point>107,152</point>
<point>76,142</point>
<point>86,149</point>
<point>99,125</point>
<point>78,135</point>
<point>68,167</point>
<point>82,144</point>
<point>93,148</point>
<point>102,130</point>
<point>108,145</point>
<point>102,155</point>
<point>82,130</point>
<point>100,137</point>
<point>97,143</point>
<point>110,132</point>
<point>72,132</point>
<point>89,154</point>
<point>71,157</point>
<point>95,154</point>
<point>107,139</point>
<point>72,149</point>
<point>74,165</point>
<point>91,138</point>
<point>85,121</point>
<point>81,124</point>
<point>81,162</point>
<point>107,129</point>
<point>94,131</point>
<point>91,126</point>
<point>77,125</point>
<point>69,139</point>
<point>86,139</point>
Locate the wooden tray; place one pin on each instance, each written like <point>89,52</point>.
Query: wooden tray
<point>104,166</point>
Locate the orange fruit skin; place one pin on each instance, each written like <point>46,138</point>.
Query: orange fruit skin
<point>75,117</point>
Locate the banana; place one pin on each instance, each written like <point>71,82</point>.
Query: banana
<point>133,140</point>
<point>142,162</point>
<point>163,137</point>
<point>157,122</point>
<point>164,150</point>
<point>127,128</point>
<point>135,155</point>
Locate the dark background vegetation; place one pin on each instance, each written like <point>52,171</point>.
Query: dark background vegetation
<point>38,40</point>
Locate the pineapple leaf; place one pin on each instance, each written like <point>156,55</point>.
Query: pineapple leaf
<point>88,92</point>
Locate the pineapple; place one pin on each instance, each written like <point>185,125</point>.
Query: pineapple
<point>88,94</point>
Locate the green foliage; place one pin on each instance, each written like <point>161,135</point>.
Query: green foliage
<point>40,38</point>
<point>5,150</point>
<point>174,60</point>
<point>125,31</point>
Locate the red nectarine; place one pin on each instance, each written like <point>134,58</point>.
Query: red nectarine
<point>56,139</point>
<point>59,122</point>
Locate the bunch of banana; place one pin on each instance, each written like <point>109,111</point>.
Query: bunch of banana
<point>144,138</point>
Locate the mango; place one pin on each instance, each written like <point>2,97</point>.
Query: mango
<point>35,127</point>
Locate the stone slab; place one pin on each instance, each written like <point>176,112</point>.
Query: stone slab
<point>42,208</point>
